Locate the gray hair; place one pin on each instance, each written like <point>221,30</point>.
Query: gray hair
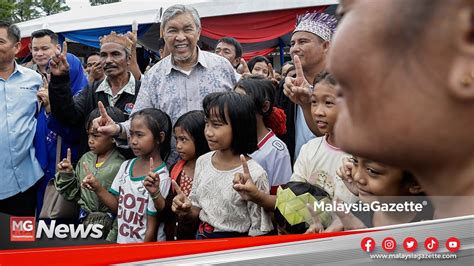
<point>13,31</point>
<point>176,10</point>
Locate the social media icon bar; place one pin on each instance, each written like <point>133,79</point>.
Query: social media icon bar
<point>431,244</point>
<point>389,244</point>
<point>410,244</point>
<point>367,244</point>
<point>453,244</point>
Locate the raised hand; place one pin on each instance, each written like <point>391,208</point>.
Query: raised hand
<point>105,124</point>
<point>345,173</point>
<point>298,89</point>
<point>181,204</point>
<point>152,180</point>
<point>244,184</point>
<point>97,70</point>
<point>90,181</point>
<point>65,166</point>
<point>348,220</point>
<point>58,63</point>
<point>245,68</point>
<point>316,226</point>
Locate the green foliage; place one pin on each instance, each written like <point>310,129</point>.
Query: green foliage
<point>23,10</point>
<point>102,2</point>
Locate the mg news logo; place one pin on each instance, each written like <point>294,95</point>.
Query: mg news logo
<point>24,229</point>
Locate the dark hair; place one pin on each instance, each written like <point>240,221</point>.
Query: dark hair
<point>45,32</point>
<point>193,122</point>
<point>13,31</point>
<point>115,113</point>
<point>161,43</point>
<point>157,121</point>
<point>254,60</point>
<point>299,188</point>
<point>260,89</point>
<point>240,110</point>
<point>233,42</point>
<point>325,76</point>
<point>91,54</point>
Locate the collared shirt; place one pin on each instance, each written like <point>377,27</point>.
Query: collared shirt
<point>18,165</point>
<point>175,92</point>
<point>128,88</point>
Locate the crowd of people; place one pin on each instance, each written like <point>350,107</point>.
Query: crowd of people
<point>375,105</point>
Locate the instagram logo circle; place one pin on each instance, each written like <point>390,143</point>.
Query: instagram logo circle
<point>389,244</point>
<point>367,244</point>
<point>431,244</point>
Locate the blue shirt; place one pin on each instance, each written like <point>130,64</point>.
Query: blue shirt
<point>302,131</point>
<point>18,106</point>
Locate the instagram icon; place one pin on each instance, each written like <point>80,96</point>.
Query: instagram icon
<point>389,244</point>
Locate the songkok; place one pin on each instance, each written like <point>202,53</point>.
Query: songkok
<point>117,38</point>
<point>318,23</point>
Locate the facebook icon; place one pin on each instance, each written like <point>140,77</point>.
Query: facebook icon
<point>367,244</point>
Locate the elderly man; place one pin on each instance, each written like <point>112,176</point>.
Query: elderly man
<point>119,89</point>
<point>309,46</point>
<point>18,165</point>
<point>178,83</point>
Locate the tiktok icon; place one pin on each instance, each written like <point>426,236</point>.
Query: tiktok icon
<point>367,244</point>
<point>431,244</point>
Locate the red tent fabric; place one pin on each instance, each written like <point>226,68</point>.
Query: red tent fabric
<point>254,27</point>
<point>25,50</point>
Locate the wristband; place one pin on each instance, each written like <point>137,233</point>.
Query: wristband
<point>120,130</point>
<point>155,195</point>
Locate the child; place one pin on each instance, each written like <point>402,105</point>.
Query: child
<point>104,160</point>
<point>190,144</point>
<point>372,181</point>
<point>272,153</point>
<point>291,213</point>
<point>142,184</point>
<point>320,158</point>
<point>230,130</point>
<point>260,65</point>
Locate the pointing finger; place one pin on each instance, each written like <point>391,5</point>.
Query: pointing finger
<point>68,155</point>
<point>65,49</point>
<point>298,67</point>
<point>151,165</point>
<point>245,166</point>
<point>86,168</point>
<point>176,187</point>
<point>102,111</point>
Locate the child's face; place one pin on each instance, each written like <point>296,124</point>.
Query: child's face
<point>141,138</point>
<point>261,69</point>
<point>184,144</point>
<point>99,143</point>
<point>376,181</point>
<point>218,134</point>
<point>323,107</point>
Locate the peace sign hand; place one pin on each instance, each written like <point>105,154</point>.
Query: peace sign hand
<point>58,63</point>
<point>181,204</point>
<point>152,180</point>
<point>244,184</point>
<point>298,89</point>
<point>90,181</point>
<point>105,124</point>
<point>65,166</point>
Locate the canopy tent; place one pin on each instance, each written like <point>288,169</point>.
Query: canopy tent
<point>258,25</point>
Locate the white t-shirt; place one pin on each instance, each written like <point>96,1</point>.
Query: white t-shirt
<point>273,156</point>
<point>135,202</point>
<point>317,164</point>
<point>221,206</point>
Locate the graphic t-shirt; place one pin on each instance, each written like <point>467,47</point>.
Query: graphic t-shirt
<point>135,202</point>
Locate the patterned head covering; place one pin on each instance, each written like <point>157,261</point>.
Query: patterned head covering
<point>116,38</point>
<point>318,23</point>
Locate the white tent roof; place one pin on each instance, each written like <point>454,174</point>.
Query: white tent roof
<point>148,11</point>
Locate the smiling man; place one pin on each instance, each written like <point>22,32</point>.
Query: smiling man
<point>119,89</point>
<point>179,82</point>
